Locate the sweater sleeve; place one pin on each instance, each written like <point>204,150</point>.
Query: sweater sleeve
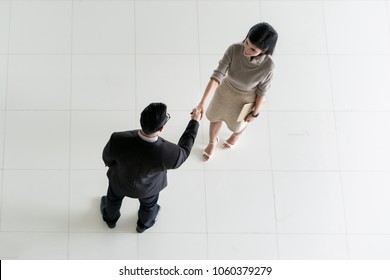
<point>223,65</point>
<point>265,84</point>
<point>186,142</point>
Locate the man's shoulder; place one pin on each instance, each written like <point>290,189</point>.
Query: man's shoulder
<point>163,141</point>
<point>122,137</point>
<point>125,134</point>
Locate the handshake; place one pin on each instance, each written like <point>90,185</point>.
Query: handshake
<point>195,114</point>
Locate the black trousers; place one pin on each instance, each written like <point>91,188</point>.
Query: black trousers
<point>147,212</point>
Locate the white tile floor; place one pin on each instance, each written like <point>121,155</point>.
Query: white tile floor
<point>309,180</point>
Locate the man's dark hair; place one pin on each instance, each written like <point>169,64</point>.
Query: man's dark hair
<point>153,117</point>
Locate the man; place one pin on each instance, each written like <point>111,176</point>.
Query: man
<point>138,161</point>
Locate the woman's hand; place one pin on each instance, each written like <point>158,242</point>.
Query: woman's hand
<point>200,109</point>
<point>210,88</point>
<point>250,118</point>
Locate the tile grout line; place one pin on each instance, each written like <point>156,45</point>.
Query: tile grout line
<point>204,166</point>
<point>272,171</point>
<point>214,170</point>
<point>70,124</point>
<point>135,90</point>
<point>134,55</point>
<point>183,53</point>
<point>5,117</point>
<point>180,111</point>
<point>211,233</point>
<point>335,127</point>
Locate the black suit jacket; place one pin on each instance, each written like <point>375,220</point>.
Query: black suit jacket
<point>138,168</point>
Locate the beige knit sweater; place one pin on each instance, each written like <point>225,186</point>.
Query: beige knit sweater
<point>244,73</point>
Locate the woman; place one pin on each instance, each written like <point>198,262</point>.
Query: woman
<point>240,82</point>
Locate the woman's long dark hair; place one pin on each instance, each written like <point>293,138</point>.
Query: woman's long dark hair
<point>263,36</point>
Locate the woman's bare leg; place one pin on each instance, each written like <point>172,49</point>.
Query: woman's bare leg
<point>215,127</point>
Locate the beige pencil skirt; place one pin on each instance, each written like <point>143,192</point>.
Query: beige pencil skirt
<point>227,103</point>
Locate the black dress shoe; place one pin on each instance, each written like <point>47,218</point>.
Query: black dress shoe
<point>103,202</point>
<point>141,229</point>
